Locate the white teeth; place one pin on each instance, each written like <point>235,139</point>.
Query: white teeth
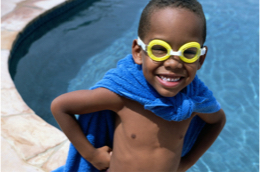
<point>170,79</point>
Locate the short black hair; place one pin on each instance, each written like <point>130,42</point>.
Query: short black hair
<point>191,5</point>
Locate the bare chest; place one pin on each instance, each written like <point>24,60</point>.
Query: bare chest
<point>139,124</point>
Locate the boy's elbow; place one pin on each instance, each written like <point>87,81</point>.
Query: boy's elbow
<point>56,106</point>
<point>221,121</point>
<point>223,118</point>
<point>217,119</point>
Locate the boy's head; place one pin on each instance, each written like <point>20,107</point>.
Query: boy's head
<point>153,5</point>
<point>170,50</point>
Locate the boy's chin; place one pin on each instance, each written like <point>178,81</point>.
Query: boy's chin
<point>167,93</point>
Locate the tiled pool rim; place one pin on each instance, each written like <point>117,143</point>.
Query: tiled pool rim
<point>28,143</point>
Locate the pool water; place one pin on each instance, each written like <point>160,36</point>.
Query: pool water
<point>44,63</point>
<point>81,48</point>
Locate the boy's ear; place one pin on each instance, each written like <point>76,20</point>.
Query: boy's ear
<point>202,58</point>
<point>136,52</point>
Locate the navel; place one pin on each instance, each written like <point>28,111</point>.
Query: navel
<point>133,136</point>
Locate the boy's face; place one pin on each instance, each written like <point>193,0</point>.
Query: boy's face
<point>175,26</point>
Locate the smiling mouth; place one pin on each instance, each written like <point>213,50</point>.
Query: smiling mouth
<point>169,79</point>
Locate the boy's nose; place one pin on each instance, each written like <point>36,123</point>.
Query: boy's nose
<point>173,62</point>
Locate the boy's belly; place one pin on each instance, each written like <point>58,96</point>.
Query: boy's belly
<point>127,158</point>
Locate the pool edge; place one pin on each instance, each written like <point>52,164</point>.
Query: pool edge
<point>26,140</point>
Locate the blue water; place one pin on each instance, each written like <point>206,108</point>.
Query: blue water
<point>74,51</point>
<point>231,71</point>
<point>43,64</point>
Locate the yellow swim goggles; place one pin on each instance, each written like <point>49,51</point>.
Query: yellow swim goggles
<point>159,50</point>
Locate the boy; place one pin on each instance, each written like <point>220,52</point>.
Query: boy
<point>150,125</point>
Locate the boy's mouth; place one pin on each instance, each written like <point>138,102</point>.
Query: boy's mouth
<point>169,79</point>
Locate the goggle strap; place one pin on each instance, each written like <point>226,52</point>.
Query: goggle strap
<point>141,43</point>
<point>203,51</point>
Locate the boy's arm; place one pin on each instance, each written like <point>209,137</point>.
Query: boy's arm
<point>214,124</point>
<point>80,102</point>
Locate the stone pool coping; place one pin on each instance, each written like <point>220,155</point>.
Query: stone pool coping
<point>28,143</point>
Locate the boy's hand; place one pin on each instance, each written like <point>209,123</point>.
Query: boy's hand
<point>101,158</point>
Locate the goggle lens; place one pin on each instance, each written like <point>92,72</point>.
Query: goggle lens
<point>159,51</point>
<point>190,52</point>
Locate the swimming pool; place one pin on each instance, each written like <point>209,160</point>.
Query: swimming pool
<point>64,58</point>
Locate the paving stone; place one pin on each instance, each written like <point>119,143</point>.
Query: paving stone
<point>40,159</point>
<point>12,103</point>
<point>26,136</point>
<point>6,81</point>
<point>7,7</point>
<point>11,162</point>
<point>13,1</point>
<point>43,4</point>
<point>7,39</point>
<point>30,135</point>
<point>19,18</point>
<point>58,158</point>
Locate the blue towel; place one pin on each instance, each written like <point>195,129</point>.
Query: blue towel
<point>127,80</point>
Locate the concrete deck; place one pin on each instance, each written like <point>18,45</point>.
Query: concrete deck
<point>28,143</point>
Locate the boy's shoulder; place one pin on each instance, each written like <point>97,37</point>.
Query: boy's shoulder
<point>107,98</point>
